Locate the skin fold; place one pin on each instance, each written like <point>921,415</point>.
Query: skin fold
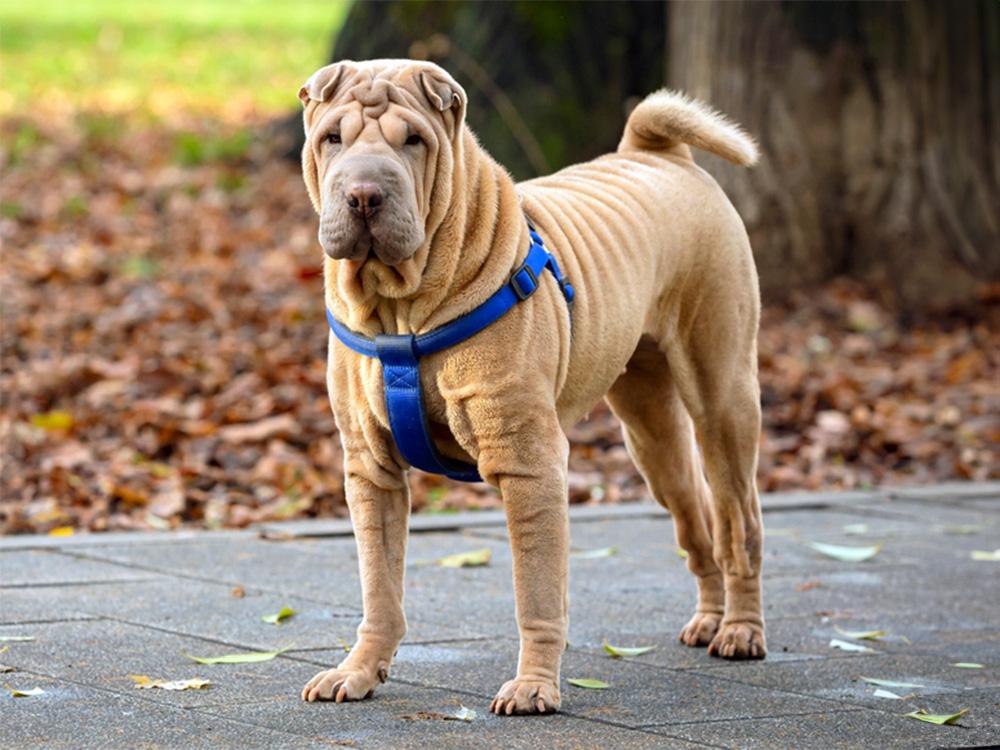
<point>420,225</point>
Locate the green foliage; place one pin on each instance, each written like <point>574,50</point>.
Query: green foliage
<point>115,54</point>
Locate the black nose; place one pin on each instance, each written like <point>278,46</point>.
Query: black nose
<point>364,198</point>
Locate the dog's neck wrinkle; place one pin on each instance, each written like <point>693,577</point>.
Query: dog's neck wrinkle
<point>465,260</point>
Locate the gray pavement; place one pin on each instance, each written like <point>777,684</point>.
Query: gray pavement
<point>100,608</point>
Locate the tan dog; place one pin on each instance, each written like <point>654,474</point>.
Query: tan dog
<point>420,226</point>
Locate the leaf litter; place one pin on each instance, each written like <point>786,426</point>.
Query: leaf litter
<point>188,386</point>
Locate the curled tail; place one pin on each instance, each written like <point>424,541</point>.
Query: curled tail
<point>667,120</point>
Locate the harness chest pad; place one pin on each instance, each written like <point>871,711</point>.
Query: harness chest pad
<point>400,358</point>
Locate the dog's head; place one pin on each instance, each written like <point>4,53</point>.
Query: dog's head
<point>379,153</point>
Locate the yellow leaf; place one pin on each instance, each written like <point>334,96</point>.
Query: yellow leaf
<point>61,531</point>
<point>248,657</point>
<point>937,718</point>
<point>589,683</point>
<point>620,651</point>
<point>983,556</point>
<point>277,617</point>
<point>475,559</point>
<point>53,421</point>
<point>23,693</point>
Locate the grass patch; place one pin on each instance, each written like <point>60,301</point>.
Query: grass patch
<point>208,55</point>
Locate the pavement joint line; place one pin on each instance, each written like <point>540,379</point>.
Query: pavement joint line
<point>157,628</point>
<point>251,589</point>
<point>852,703</point>
<point>668,724</point>
<point>562,712</point>
<point>83,617</point>
<point>61,584</point>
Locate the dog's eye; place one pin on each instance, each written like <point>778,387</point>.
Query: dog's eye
<point>333,138</point>
<point>414,140</point>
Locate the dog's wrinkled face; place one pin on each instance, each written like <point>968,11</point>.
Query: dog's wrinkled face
<point>379,140</point>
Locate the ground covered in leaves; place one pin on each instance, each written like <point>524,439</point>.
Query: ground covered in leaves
<point>164,350</point>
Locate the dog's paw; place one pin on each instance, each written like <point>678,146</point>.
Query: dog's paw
<point>521,696</point>
<point>739,640</point>
<point>343,685</point>
<point>700,629</point>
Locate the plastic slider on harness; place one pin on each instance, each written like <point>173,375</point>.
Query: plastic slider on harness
<point>400,359</point>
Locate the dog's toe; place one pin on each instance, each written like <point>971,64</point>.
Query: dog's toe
<point>700,629</point>
<point>523,696</point>
<point>339,686</point>
<point>739,640</point>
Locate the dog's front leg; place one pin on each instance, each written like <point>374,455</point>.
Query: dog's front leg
<point>535,499</point>
<point>379,514</point>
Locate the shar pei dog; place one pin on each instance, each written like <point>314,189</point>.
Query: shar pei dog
<point>420,226</point>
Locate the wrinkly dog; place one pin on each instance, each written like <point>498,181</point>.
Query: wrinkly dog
<point>421,226</point>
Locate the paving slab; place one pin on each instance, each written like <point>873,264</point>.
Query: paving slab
<point>37,568</point>
<point>640,694</point>
<point>77,717</point>
<point>103,653</point>
<point>106,607</point>
<point>834,730</point>
<point>400,717</point>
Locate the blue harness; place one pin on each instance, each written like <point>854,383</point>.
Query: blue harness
<point>400,358</point>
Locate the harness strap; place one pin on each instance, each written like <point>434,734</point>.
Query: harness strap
<point>400,358</point>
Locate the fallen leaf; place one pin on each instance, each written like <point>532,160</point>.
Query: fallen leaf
<point>589,683</point>
<point>856,529</point>
<point>238,591</point>
<point>53,421</point>
<point>620,651</point>
<point>475,559</point>
<point>265,429</point>
<point>845,646</point>
<point>967,665</point>
<point>890,683</point>
<point>681,553</point>
<point>593,554</point>
<point>937,718</point>
<point>962,529</point>
<point>16,638</point>
<point>846,554</point>
<point>143,682</point>
<point>247,657</point>
<point>880,693</point>
<point>862,635</point>
<point>463,714</point>
<point>283,614</point>
<point>808,586</point>
<point>61,531</point>
<point>4,649</point>
<point>983,556</point>
<point>23,693</point>
<point>426,716</point>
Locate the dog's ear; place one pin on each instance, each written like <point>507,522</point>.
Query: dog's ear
<point>322,84</point>
<point>444,93</point>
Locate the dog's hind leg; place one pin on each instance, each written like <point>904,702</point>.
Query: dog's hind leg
<point>712,353</point>
<point>660,438</point>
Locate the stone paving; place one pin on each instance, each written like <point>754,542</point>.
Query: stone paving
<point>100,608</point>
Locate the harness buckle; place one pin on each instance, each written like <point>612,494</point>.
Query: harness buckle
<point>516,284</point>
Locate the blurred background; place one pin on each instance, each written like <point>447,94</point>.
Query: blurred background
<point>163,340</point>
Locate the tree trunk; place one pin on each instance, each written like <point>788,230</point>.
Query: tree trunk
<point>880,133</point>
<point>879,122</point>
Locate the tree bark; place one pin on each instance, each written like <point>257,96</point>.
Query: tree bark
<point>879,128</point>
<point>879,122</point>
